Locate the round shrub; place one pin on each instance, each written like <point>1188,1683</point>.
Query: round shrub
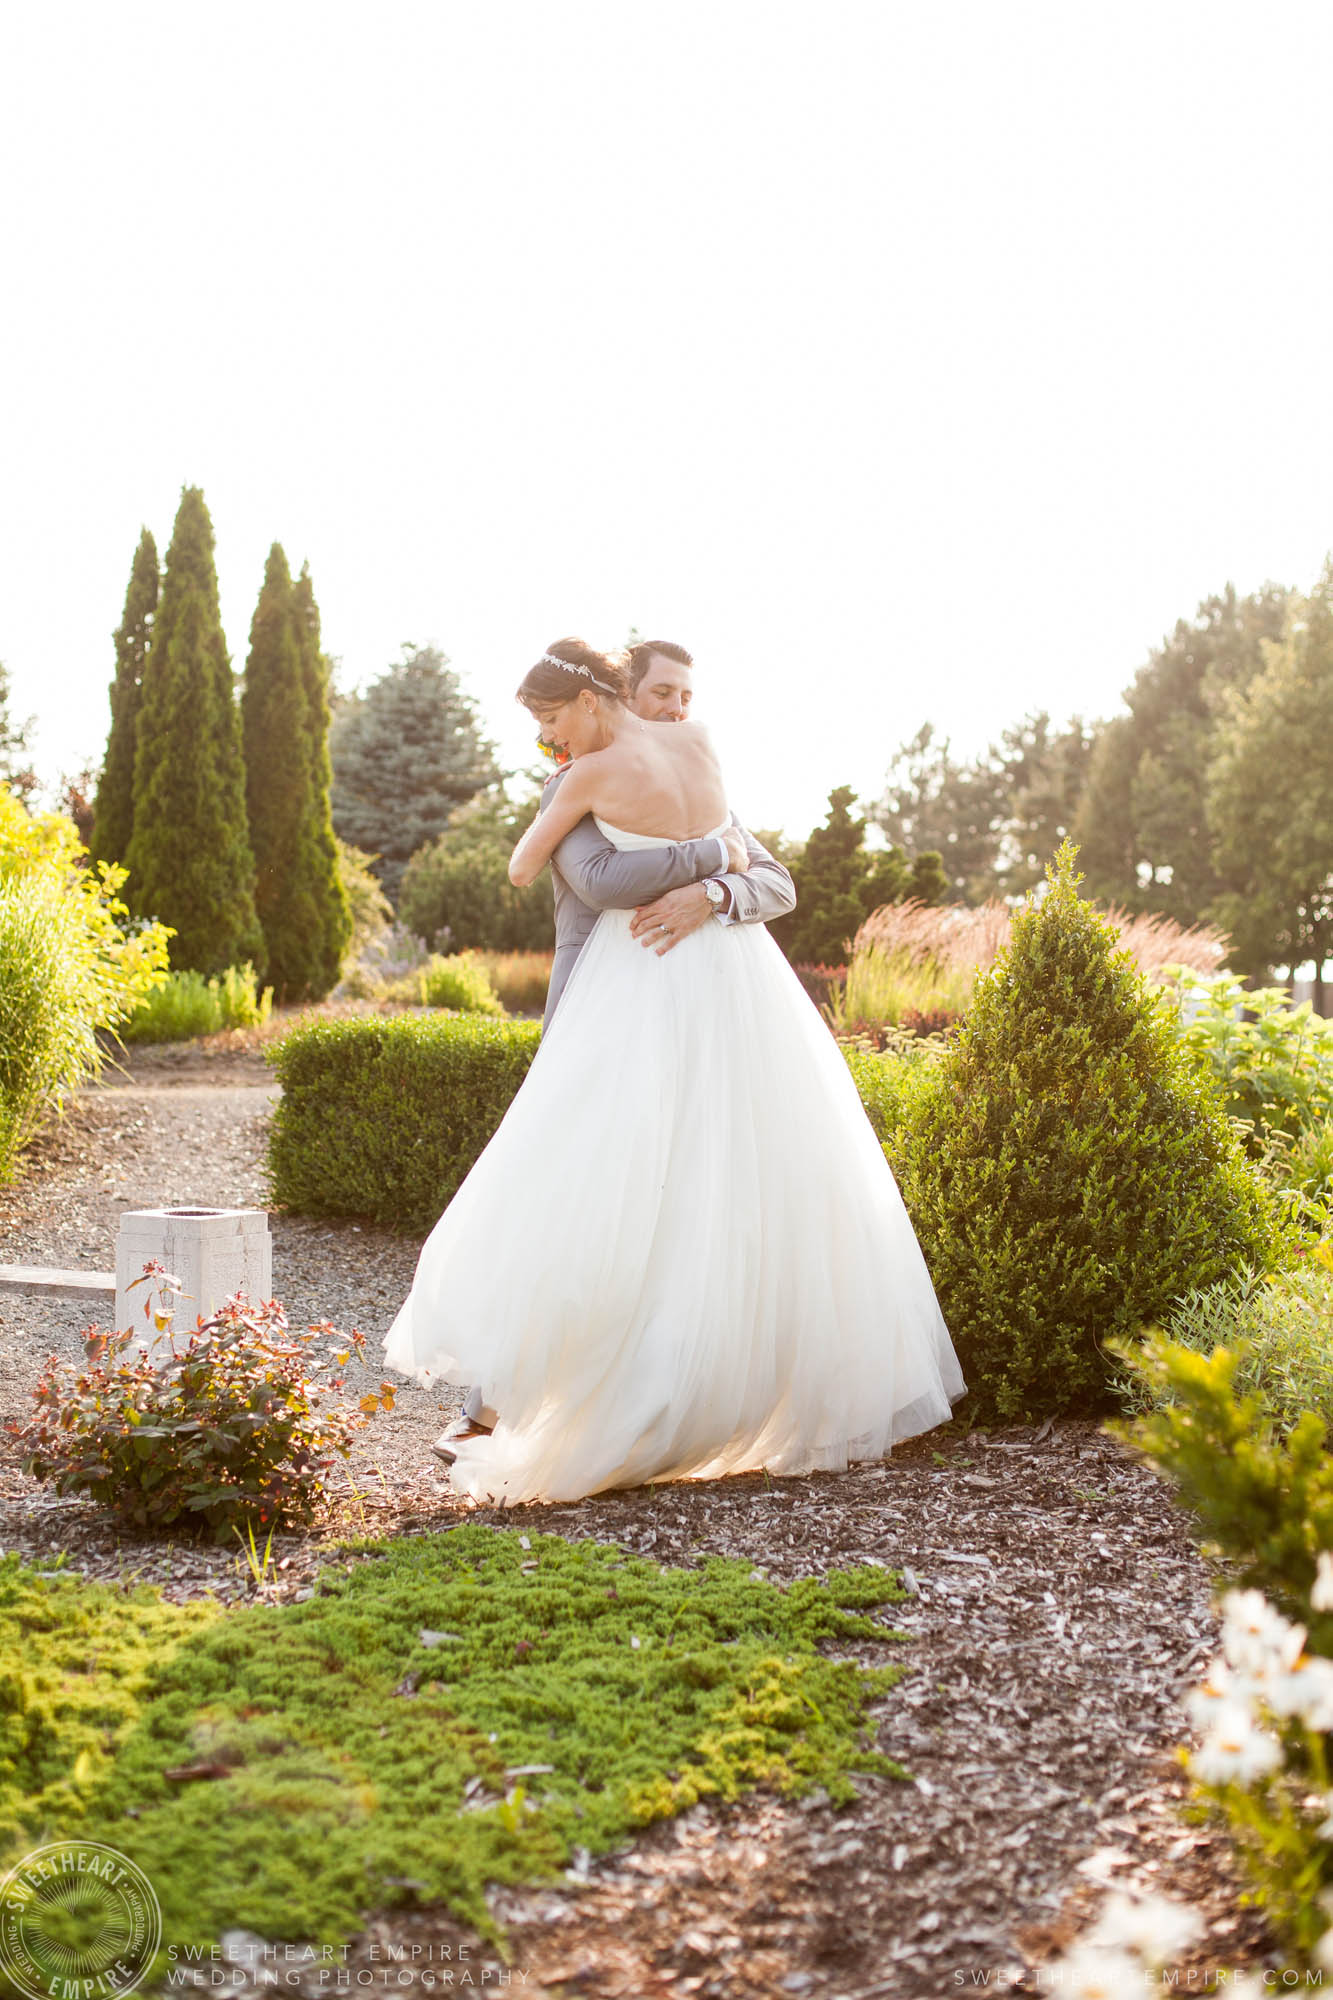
<point>1072,1174</point>
<point>461,982</point>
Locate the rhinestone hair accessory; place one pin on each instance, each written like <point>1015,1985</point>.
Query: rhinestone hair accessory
<point>550,659</point>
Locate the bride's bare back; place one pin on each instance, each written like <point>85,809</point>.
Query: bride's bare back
<point>653,777</point>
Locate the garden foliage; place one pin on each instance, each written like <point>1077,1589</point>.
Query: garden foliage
<point>894,1083</point>
<point>1275,1070</point>
<point>69,965</point>
<point>237,1427</point>
<point>1071,1174</point>
<point>113,810</point>
<point>461,982</point>
<point>384,1117</point>
<point>456,892</point>
<point>1279,1330</point>
<point>189,854</point>
<point>187,1004</point>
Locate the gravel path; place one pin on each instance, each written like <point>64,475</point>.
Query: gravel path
<point>1058,1609</point>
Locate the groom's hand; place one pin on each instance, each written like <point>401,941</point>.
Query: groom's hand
<point>662,925</point>
<point>738,852</point>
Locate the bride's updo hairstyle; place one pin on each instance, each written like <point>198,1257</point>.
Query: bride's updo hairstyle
<point>568,665</point>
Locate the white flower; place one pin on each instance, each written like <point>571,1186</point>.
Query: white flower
<point>1255,1637</point>
<point>1153,1926</point>
<point>1220,1685</point>
<point>1322,1955</point>
<point>1310,1692</point>
<point>1234,1752</point>
<point>1091,1972</point>
<point>1321,1597</point>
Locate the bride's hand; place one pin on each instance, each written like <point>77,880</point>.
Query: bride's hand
<point>738,854</point>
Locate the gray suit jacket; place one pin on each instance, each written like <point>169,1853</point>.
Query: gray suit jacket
<point>591,875</point>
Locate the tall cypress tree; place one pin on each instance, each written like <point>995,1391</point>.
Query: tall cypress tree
<point>330,894</point>
<point>189,855</point>
<point>284,716</point>
<point>113,809</point>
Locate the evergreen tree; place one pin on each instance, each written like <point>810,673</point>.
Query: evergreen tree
<point>284,718</point>
<point>405,755</point>
<point>113,808</point>
<point>328,878</point>
<point>1270,800</point>
<point>189,855</point>
<point>839,882</point>
<point>1069,1173</point>
<point>1143,821</point>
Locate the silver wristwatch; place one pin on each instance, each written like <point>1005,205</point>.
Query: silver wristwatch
<point>715,893</point>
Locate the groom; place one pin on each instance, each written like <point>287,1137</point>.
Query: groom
<point>672,890</point>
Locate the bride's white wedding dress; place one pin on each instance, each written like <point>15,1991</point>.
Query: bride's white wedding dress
<point>683,1253</point>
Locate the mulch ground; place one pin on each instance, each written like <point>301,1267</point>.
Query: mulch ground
<point>1056,1612</point>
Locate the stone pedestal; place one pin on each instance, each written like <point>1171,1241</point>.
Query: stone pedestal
<point>212,1252</point>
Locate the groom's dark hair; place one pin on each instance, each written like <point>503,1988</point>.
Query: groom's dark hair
<point>638,658</point>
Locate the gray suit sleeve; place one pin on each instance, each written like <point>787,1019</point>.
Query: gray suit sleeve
<point>767,891</point>
<point>610,878</point>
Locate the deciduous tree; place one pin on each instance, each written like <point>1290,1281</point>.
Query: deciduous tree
<point>1270,799</point>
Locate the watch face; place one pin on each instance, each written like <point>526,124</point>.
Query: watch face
<point>713,891</point>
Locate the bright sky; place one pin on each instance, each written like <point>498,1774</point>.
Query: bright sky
<point>904,362</point>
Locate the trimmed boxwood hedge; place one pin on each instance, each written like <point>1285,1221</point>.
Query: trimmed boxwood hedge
<point>384,1118</point>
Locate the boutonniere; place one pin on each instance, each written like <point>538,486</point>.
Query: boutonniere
<point>557,757</point>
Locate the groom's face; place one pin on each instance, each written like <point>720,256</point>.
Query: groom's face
<point>665,692</point>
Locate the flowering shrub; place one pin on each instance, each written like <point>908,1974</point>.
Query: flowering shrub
<point>235,1427</point>
<point>1265,1711</point>
<point>1260,1485</point>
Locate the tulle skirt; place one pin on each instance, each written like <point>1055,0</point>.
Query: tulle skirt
<point>683,1253</point>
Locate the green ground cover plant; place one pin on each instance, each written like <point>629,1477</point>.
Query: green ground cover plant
<point>443,1712</point>
<point>188,1004</point>
<point>383,1117</point>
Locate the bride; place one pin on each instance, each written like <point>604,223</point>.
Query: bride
<point>683,1253</point>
